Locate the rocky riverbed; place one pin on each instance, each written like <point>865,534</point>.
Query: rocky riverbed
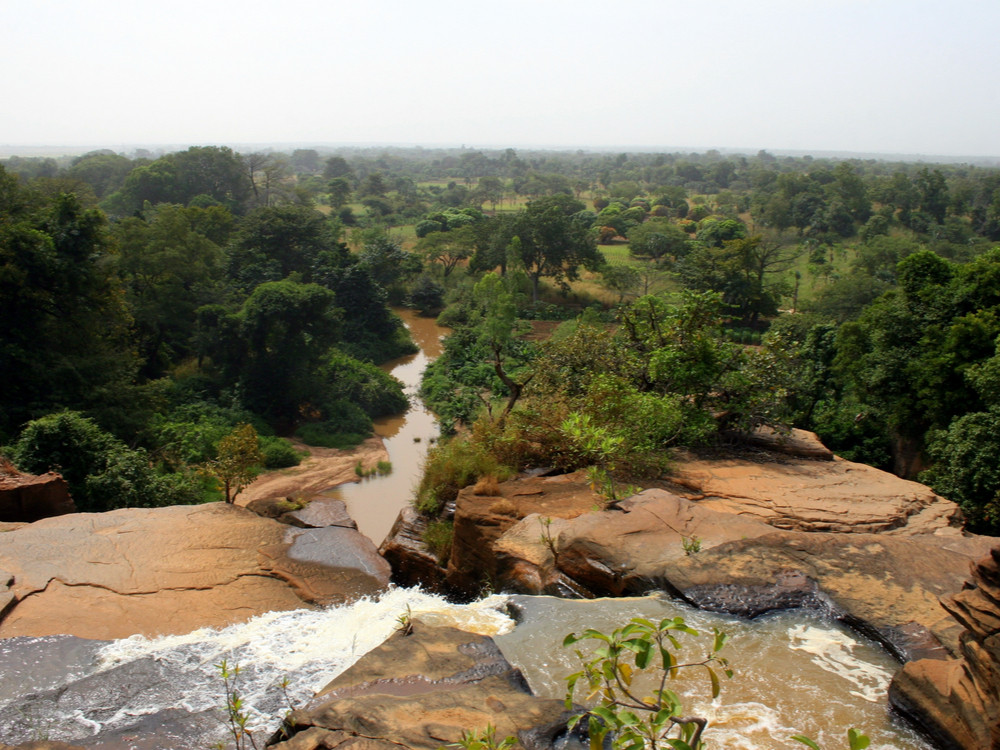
<point>744,534</point>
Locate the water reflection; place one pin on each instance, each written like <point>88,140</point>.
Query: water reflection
<point>376,501</point>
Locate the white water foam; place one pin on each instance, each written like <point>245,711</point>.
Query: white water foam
<point>833,651</point>
<point>308,647</point>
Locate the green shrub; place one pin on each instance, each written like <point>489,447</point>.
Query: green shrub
<point>438,537</point>
<point>363,384</point>
<point>102,472</point>
<point>450,467</point>
<point>278,453</point>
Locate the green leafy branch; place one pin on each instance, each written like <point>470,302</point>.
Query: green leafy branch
<point>636,721</point>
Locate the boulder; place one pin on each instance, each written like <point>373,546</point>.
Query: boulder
<point>801,494</point>
<point>27,497</point>
<point>315,513</point>
<point>794,442</point>
<point>885,585</point>
<point>480,520</point>
<point>424,688</point>
<point>958,702</point>
<point>413,564</point>
<point>159,571</point>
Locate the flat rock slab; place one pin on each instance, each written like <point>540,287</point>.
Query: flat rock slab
<point>159,571</point>
<point>802,494</point>
<point>424,690</point>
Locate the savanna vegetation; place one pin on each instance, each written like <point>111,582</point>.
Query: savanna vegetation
<point>605,308</point>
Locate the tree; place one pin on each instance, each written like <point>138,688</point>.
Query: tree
<point>552,244</point>
<point>169,270</point>
<point>622,279</point>
<point>339,190</point>
<point>659,240</point>
<point>448,249</point>
<point>238,461</point>
<point>215,172</point>
<point>273,242</point>
<point>102,472</point>
<point>64,340</point>
<point>337,166</point>
<point>285,330</point>
<point>740,270</point>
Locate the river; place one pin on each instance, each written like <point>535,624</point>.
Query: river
<point>375,502</point>
<point>795,672</point>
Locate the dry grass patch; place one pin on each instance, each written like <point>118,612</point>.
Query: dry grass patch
<point>504,507</point>
<point>487,486</point>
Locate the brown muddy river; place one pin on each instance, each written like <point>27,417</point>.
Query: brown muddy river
<point>376,501</point>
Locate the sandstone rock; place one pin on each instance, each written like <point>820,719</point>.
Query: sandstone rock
<point>320,512</point>
<point>958,701</point>
<point>170,570</point>
<point>886,585</point>
<point>795,442</point>
<point>423,690</point>
<point>800,494</point>
<point>412,562</point>
<point>316,513</point>
<point>480,521</point>
<point>27,497</point>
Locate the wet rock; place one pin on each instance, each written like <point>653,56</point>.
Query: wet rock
<point>424,690</point>
<point>27,497</point>
<point>168,570</point>
<point>885,585</point>
<point>412,562</point>
<point>327,565</point>
<point>321,512</point>
<point>316,513</point>
<point>958,702</point>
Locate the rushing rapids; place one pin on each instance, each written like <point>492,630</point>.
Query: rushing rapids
<point>793,672</point>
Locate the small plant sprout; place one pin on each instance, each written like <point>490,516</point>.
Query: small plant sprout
<point>855,740</point>
<point>484,740</point>
<point>236,715</point>
<point>691,544</point>
<point>404,623</point>
<point>546,537</point>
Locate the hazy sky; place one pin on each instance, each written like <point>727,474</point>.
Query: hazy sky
<point>887,76</point>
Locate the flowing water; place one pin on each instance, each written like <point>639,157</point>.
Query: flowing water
<point>374,502</point>
<point>794,673</point>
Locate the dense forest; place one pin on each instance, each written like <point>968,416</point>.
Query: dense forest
<point>605,308</point>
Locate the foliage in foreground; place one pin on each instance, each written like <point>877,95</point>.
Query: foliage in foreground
<point>626,675</point>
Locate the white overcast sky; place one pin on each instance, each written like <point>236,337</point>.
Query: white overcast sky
<point>886,76</point>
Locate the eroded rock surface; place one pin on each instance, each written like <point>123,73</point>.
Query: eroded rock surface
<point>480,520</point>
<point>170,570</point>
<point>424,690</point>
<point>801,494</point>
<point>885,584</point>
<point>958,701</point>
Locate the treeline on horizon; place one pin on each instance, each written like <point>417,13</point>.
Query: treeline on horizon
<point>152,303</point>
